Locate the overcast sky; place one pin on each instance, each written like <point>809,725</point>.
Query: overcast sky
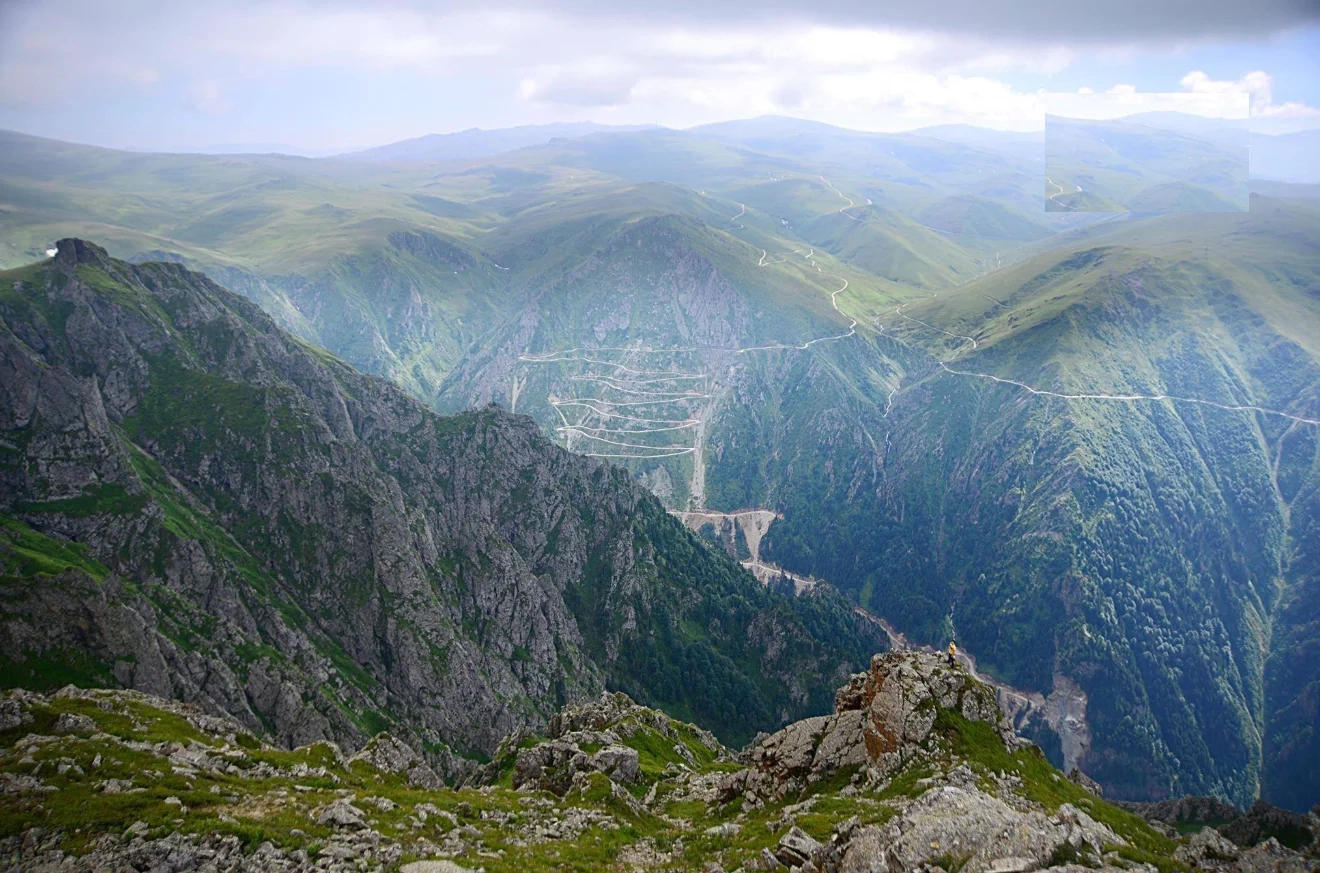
<point>334,75</point>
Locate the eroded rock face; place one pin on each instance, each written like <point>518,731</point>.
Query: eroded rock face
<point>881,719</point>
<point>900,695</point>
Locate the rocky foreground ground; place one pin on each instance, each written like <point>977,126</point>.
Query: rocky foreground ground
<point>915,770</point>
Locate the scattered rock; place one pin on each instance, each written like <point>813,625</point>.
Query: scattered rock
<point>74,723</point>
<point>341,814</point>
<point>13,714</point>
<point>1271,857</point>
<point>725,830</point>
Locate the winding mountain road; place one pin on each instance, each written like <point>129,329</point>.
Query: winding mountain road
<point>844,209</point>
<point>1054,197</point>
<point>1134,398</point>
<point>600,427</point>
<point>1093,395</point>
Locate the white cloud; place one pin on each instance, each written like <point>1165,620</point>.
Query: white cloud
<point>592,84</point>
<point>667,72</point>
<point>873,80</point>
<point>1267,116</point>
<point>667,68</point>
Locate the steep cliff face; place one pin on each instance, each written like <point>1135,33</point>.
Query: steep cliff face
<point>199,505</point>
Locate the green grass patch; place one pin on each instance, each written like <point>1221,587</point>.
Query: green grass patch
<point>50,669</point>
<point>107,499</point>
<point>25,552</point>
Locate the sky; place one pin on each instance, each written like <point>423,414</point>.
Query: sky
<point>329,76</point>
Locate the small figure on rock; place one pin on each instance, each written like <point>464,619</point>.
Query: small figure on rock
<point>953,652</point>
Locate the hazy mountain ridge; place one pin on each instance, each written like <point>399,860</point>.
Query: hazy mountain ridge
<point>1157,162</point>
<point>478,143</point>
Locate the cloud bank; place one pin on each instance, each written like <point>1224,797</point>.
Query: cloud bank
<point>887,65</point>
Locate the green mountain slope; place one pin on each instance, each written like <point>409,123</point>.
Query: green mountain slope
<point>1181,197</point>
<point>199,505</point>
<point>675,303</point>
<point>1153,551</point>
<point>981,217</point>
<point>391,281</point>
<point>316,242</point>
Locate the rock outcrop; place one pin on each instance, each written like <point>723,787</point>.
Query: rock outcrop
<point>390,755</point>
<point>593,737</point>
<point>1262,822</point>
<point>881,719</point>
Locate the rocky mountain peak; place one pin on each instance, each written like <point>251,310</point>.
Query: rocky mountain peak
<point>227,483</point>
<point>71,252</point>
<point>900,694</point>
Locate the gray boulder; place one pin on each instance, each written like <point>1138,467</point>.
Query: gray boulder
<point>74,723</point>
<point>1208,849</point>
<point>796,848</point>
<point>554,765</point>
<point>13,714</point>
<point>865,853</point>
<point>341,814</point>
<point>620,763</point>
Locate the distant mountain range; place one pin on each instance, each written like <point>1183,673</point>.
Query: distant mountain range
<point>477,143</point>
<point>241,148</point>
<point>1285,157</point>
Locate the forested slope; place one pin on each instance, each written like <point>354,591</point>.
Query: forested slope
<point>1155,551</point>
